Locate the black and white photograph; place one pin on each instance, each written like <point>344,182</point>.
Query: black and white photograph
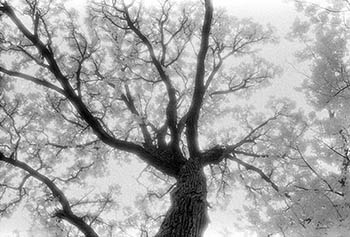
<point>174,118</point>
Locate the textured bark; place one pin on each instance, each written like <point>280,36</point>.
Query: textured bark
<point>187,216</point>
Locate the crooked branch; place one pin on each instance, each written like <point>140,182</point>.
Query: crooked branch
<point>257,170</point>
<point>171,110</point>
<point>96,126</point>
<point>66,211</point>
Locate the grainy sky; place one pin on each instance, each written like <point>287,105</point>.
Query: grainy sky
<point>280,14</point>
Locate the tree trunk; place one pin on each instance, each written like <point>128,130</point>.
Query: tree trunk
<point>187,216</point>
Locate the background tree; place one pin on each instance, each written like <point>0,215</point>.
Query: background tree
<point>153,83</point>
<point>321,152</point>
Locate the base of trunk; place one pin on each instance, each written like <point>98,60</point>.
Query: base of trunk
<point>188,214</point>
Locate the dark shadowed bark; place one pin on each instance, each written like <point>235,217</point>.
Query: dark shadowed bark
<point>165,147</point>
<point>187,215</point>
<point>192,116</point>
<point>68,92</point>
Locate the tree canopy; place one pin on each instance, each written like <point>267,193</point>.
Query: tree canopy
<point>85,92</point>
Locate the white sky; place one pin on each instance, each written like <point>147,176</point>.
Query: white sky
<point>278,13</point>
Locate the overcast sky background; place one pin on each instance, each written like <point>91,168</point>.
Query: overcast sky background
<point>280,14</point>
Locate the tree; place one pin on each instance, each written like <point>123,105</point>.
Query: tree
<point>323,149</point>
<point>137,82</point>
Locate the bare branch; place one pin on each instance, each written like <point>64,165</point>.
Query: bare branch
<point>249,137</point>
<point>129,101</point>
<point>257,170</point>
<point>33,79</point>
<point>316,173</point>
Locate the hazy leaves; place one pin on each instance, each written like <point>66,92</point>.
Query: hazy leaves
<point>122,77</point>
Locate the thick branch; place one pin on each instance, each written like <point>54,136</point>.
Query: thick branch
<point>66,212</point>
<point>32,79</point>
<point>213,155</point>
<point>129,102</point>
<point>199,89</point>
<point>171,110</point>
<point>167,167</point>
